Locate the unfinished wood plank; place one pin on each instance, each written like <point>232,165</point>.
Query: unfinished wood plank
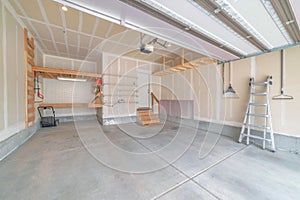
<point>70,105</point>
<point>31,110</point>
<point>30,61</point>
<point>30,75</point>
<point>30,83</point>
<point>186,66</point>
<point>31,119</point>
<point>30,102</point>
<point>30,92</point>
<point>30,43</point>
<point>66,72</point>
<point>94,105</point>
<point>30,53</point>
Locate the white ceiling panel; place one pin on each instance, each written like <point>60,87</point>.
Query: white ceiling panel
<point>260,30</point>
<point>296,8</point>
<point>257,16</point>
<point>208,24</point>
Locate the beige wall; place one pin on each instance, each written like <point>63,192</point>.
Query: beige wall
<point>12,79</point>
<point>206,87</point>
<point>12,91</point>
<point>1,73</point>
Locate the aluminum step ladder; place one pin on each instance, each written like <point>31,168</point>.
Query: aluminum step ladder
<point>249,120</point>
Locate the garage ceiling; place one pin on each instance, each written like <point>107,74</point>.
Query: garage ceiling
<point>223,29</point>
<point>81,35</point>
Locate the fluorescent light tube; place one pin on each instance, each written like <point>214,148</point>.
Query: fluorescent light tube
<point>71,79</point>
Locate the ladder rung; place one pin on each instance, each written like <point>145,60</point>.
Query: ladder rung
<point>258,104</point>
<point>257,115</point>
<point>259,93</point>
<point>260,83</point>
<point>256,137</point>
<point>257,126</point>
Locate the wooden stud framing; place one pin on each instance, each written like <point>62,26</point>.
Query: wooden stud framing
<point>29,79</point>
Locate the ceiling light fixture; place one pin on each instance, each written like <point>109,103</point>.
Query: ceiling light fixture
<point>64,8</point>
<point>230,92</point>
<point>154,4</point>
<point>71,79</point>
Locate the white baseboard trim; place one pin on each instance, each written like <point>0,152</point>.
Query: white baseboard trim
<point>11,130</point>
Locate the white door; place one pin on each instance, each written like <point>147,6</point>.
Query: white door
<point>143,88</point>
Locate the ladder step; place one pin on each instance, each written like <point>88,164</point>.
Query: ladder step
<point>260,83</point>
<point>259,93</point>
<point>256,137</point>
<point>257,126</point>
<point>257,115</point>
<point>258,104</point>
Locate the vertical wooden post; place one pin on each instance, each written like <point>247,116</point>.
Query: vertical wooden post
<point>29,79</point>
<point>182,56</point>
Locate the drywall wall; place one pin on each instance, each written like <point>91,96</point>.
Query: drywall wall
<point>207,86</point>
<point>12,87</point>
<point>1,72</point>
<point>122,90</point>
<point>12,93</point>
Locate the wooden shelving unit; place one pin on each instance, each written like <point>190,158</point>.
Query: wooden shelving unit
<point>70,105</point>
<point>29,79</point>
<point>185,65</point>
<point>53,73</point>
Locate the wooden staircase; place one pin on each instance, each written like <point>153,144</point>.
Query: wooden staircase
<point>147,116</point>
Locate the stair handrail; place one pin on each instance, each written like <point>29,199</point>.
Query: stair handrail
<point>153,97</point>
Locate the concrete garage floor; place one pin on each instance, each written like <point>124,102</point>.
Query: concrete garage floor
<point>57,163</point>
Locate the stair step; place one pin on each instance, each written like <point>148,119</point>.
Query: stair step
<point>257,115</point>
<point>258,104</point>
<point>143,118</point>
<point>146,113</point>
<point>143,109</point>
<point>151,122</point>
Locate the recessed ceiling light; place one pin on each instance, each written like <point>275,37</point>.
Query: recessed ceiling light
<point>64,8</point>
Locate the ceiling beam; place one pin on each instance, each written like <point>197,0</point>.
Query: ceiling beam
<point>215,10</point>
<point>286,15</point>
<point>156,13</point>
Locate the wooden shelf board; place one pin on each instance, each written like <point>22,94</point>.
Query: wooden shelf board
<point>186,66</point>
<point>54,73</point>
<point>70,105</point>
